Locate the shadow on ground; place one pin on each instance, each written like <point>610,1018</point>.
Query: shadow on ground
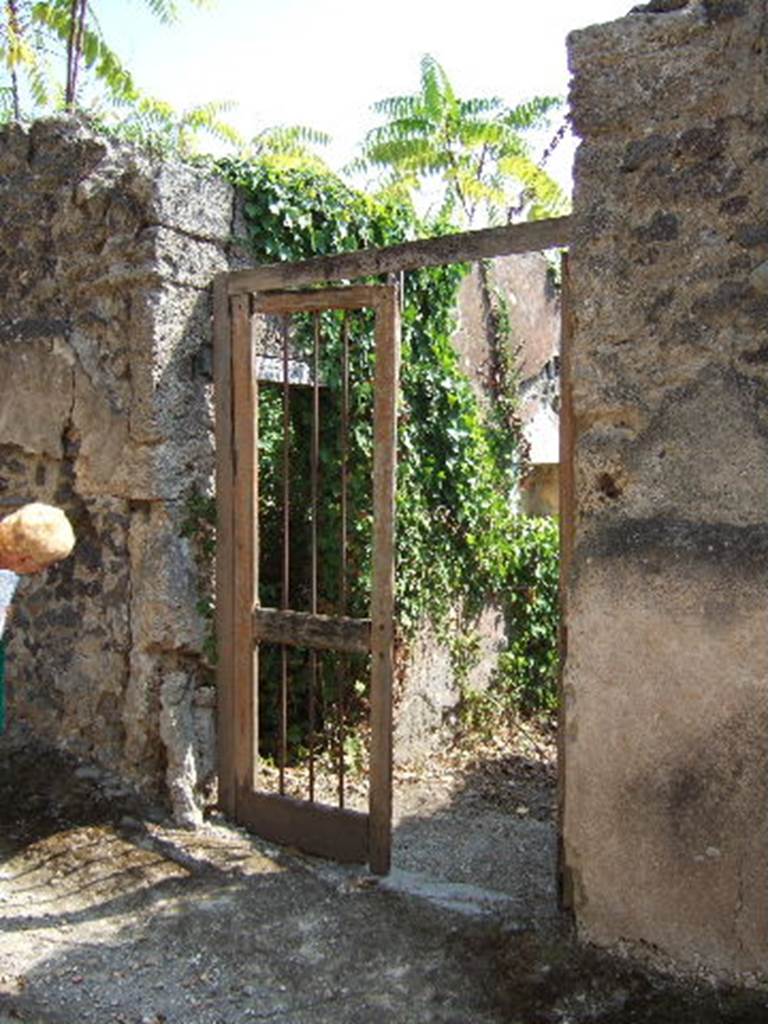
<point>109,916</point>
<point>494,830</point>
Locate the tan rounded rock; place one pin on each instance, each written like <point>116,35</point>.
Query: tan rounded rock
<point>39,532</point>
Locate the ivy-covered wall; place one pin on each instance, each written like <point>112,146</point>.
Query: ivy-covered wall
<point>473,600</point>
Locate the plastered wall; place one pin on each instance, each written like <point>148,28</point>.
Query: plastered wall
<point>666,678</point>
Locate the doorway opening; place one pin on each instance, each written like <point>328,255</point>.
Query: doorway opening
<point>300,661</point>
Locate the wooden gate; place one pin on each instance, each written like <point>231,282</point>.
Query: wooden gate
<point>260,791</point>
<point>243,626</point>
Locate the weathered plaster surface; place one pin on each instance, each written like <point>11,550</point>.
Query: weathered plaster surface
<point>105,408</point>
<point>666,680</point>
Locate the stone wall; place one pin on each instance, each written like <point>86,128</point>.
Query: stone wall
<point>105,268</point>
<point>666,680</point>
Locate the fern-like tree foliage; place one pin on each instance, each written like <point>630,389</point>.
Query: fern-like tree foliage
<point>22,54</point>
<point>39,36</point>
<point>476,148</point>
<point>161,128</point>
<point>288,147</point>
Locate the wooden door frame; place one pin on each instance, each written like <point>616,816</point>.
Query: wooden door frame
<point>236,484</point>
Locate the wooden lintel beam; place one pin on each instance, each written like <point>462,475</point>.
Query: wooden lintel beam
<point>318,632</point>
<point>466,247</point>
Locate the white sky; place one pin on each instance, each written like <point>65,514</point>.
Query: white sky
<point>324,62</point>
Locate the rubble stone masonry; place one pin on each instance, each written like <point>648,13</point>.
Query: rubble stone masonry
<point>106,262</point>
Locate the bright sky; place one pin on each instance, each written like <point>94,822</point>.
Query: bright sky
<point>324,62</point>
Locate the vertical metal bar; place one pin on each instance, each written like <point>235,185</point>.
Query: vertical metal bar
<point>314,470</point>
<point>344,569</point>
<point>286,581</point>
<point>383,577</point>
<point>344,580</point>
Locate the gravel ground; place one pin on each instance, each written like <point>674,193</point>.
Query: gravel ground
<point>484,817</point>
<point>108,914</point>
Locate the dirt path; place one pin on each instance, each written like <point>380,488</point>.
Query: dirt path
<point>108,916</point>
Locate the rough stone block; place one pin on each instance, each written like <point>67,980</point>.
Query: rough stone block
<point>38,392</point>
<point>164,584</point>
<point>207,216</point>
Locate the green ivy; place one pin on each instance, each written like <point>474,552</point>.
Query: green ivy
<point>452,487</point>
<point>525,679</point>
<point>527,670</point>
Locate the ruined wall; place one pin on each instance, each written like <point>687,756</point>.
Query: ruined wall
<point>105,409</point>
<point>666,680</point>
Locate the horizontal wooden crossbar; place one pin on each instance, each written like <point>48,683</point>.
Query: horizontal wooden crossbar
<point>319,632</point>
<point>314,828</point>
<point>466,247</point>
